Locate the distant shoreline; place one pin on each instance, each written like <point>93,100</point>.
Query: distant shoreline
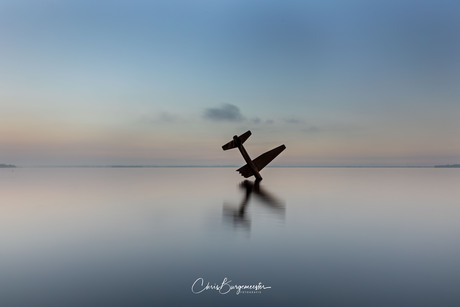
<point>228,166</point>
<point>448,166</point>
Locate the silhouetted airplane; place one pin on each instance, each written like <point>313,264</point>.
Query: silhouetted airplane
<point>252,167</point>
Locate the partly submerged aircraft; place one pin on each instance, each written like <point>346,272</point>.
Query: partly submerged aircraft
<point>253,167</point>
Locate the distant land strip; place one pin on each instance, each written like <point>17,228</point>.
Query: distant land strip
<point>230,166</point>
<point>448,165</point>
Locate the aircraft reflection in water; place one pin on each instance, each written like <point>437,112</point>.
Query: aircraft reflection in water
<point>239,216</point>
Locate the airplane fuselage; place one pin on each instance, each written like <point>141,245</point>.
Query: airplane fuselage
<point>246,157</point>
<point>252,167</point>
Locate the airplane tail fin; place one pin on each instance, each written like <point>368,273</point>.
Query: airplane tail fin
<point>242,138</point>
<point>261,161</point>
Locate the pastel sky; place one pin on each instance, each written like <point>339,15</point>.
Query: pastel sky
<point>355,82</point>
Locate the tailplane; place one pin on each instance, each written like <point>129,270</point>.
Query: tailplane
<point>242,138</point>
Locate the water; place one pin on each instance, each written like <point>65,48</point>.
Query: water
<point>144,236</point>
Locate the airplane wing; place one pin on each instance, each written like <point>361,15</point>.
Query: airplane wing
<point>261,161</point>
<point>242,138</point>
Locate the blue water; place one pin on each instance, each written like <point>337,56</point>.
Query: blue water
<point>152,236</point>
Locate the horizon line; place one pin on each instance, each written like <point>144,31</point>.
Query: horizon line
<point>231,166</point>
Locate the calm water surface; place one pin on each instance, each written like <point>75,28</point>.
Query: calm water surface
<point>149,236</point>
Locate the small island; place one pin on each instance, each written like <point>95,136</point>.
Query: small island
<point>448,165</point>
<point>7,165</point>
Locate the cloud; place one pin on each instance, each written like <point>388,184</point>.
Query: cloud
<point>227,112</point>
<point>311,129</point>
<point>293,121</point>
<point>167,117</point>
<point>302,124</point>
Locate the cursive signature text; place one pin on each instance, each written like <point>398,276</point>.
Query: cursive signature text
<point>225,287</point>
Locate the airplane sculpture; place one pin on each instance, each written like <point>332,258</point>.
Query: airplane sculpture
<point>253,167</point>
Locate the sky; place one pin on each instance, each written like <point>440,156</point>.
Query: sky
<point>101,82</point>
